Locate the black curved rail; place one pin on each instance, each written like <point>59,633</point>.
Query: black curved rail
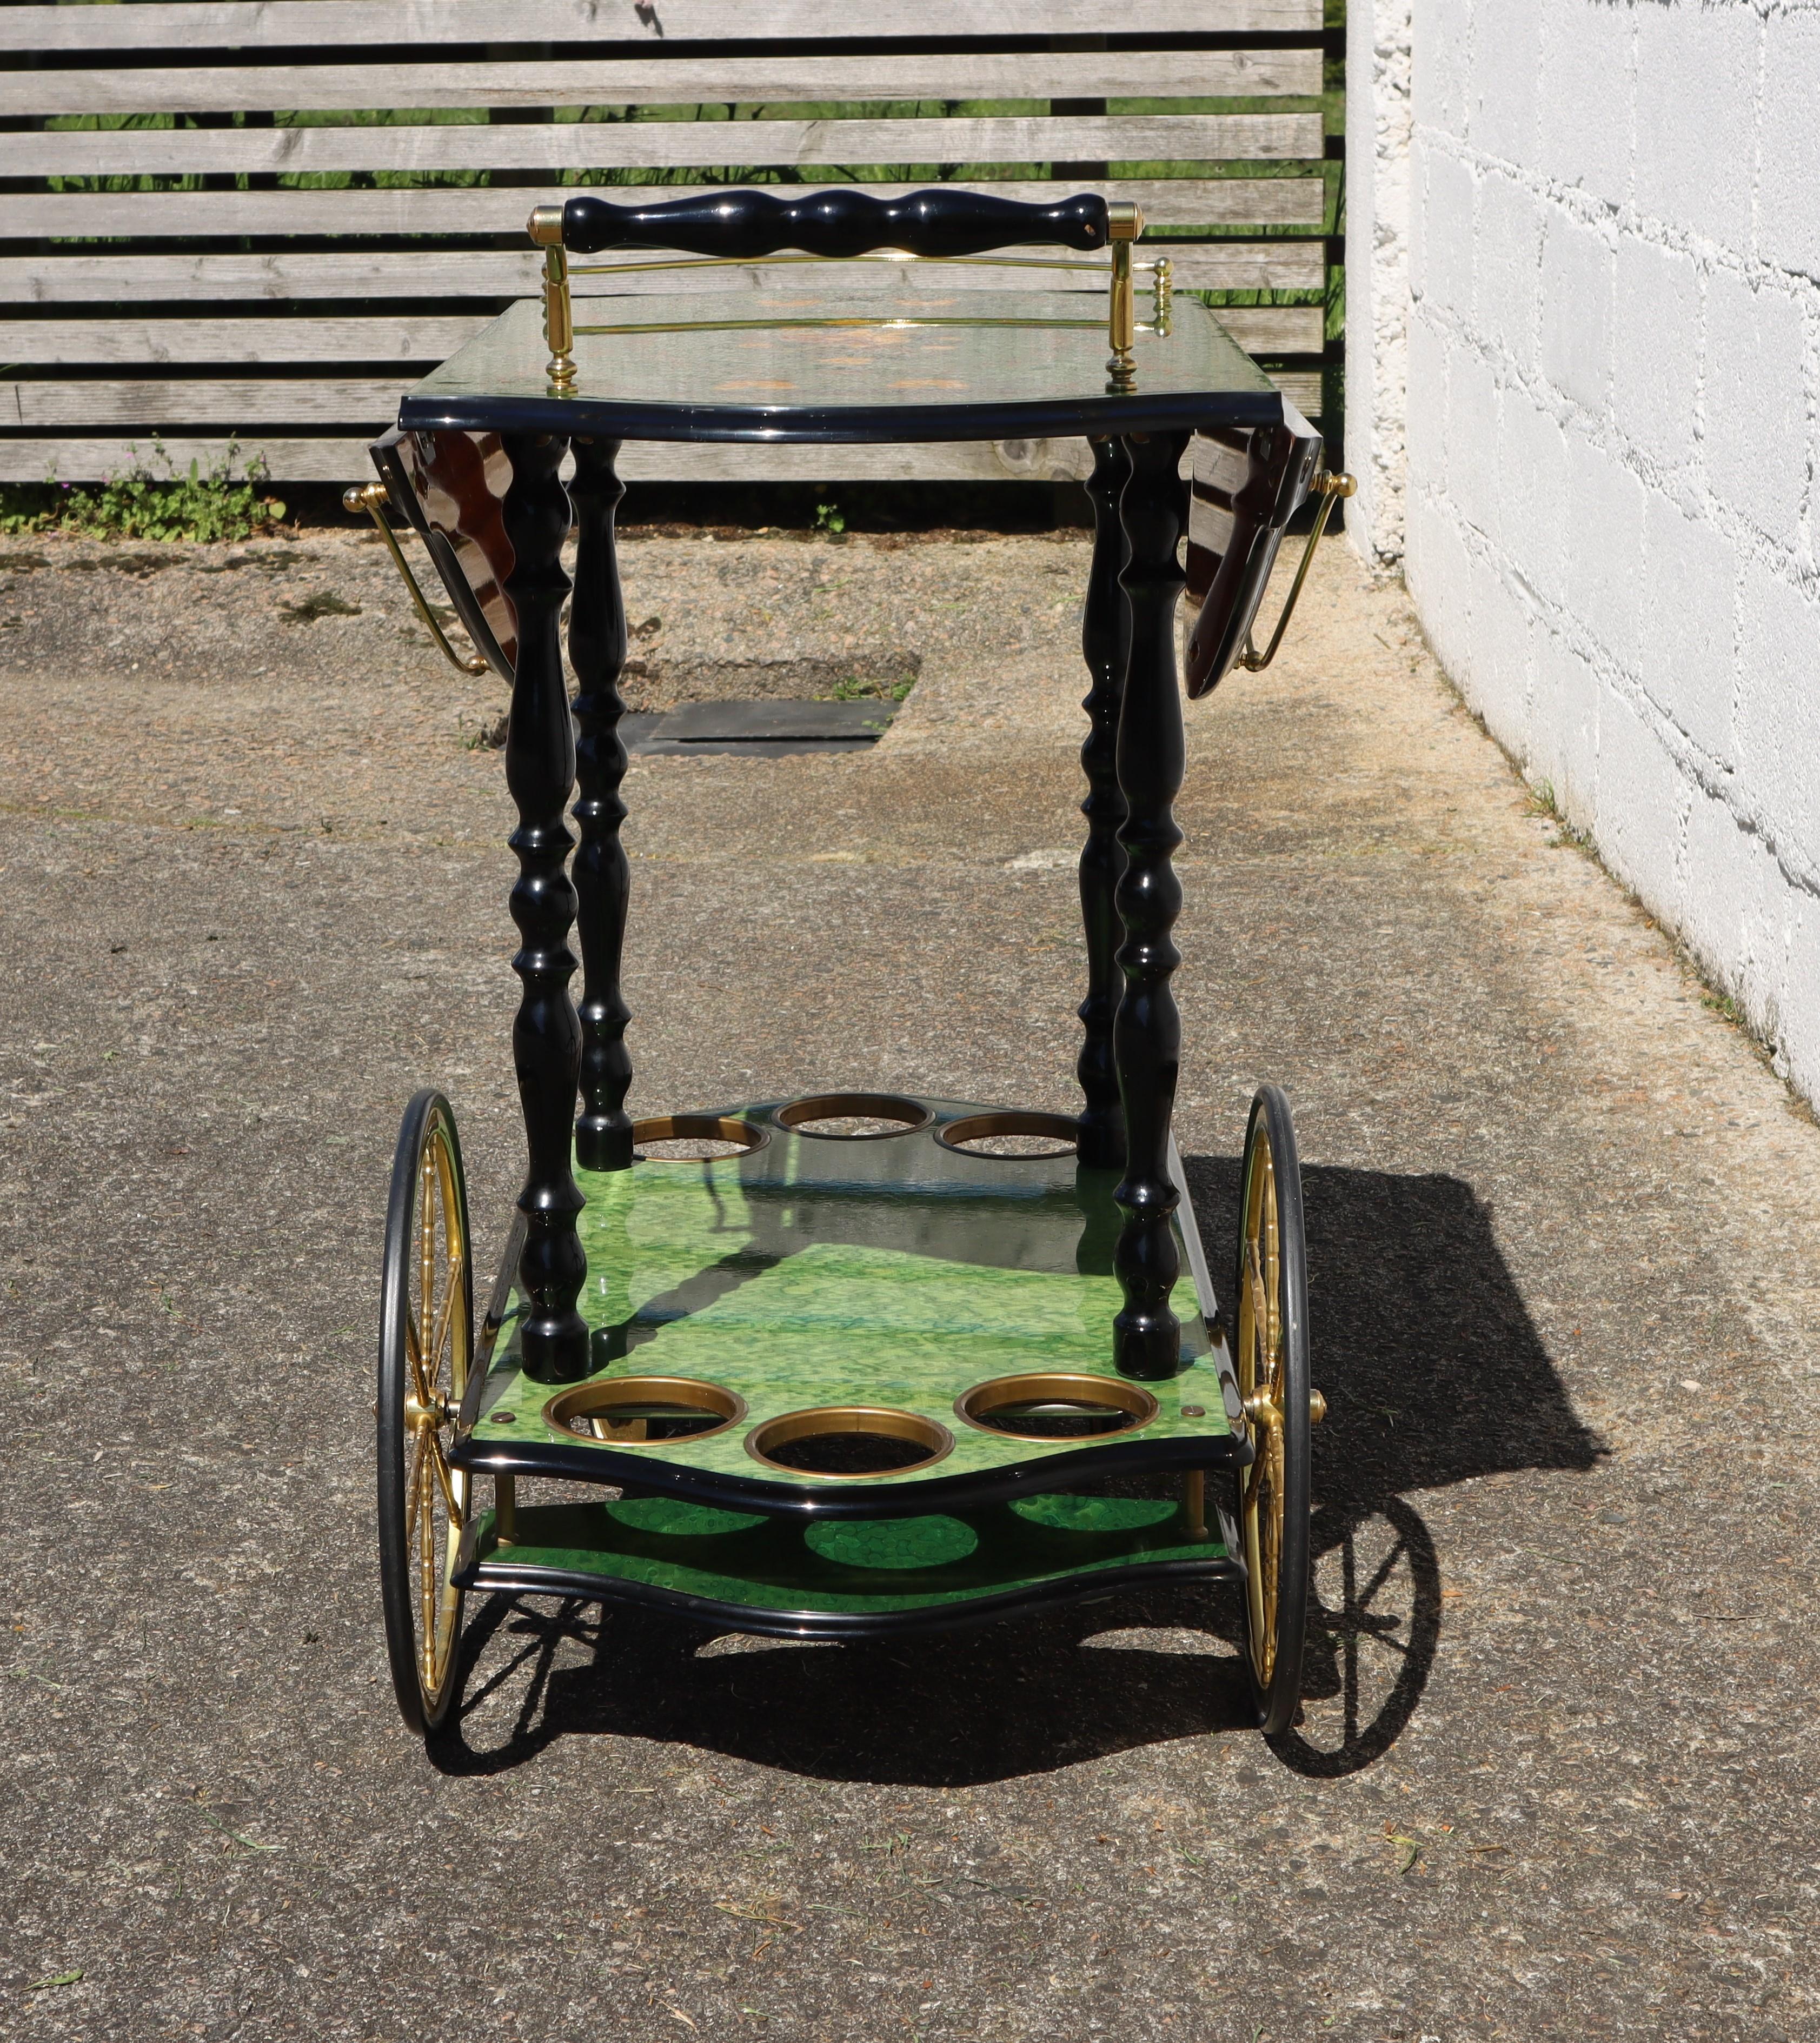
<point>879,1498</point>
<point>499,1574</point>
<point>835,222</point>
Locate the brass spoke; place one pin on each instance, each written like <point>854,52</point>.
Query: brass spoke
<point>414,1356</point>
<point>426,1237</point>
<point>445,1478</point>
<point>1263,1372</point>
<point>413,1492</point>
<point>426,1572</point>
<point>445,1323</point>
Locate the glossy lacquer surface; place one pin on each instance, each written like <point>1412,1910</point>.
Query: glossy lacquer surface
<point>814,1272</point>
<point>753,376</point>
<point>845,1577</point>
<point>833,220</point>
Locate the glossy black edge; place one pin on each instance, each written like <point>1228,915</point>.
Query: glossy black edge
<point>385,457</point>
<point>835,220</point>
<point>1266,540</point>
<point>387,460</point>
<point>486,1337</point>
<point>610,1465</point>
<point>855,425</point>
<point>1299,476</point>
<point>502,1577</point>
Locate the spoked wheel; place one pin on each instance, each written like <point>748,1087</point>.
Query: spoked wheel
<point>426,1338</point>
<point>1271,1311</point>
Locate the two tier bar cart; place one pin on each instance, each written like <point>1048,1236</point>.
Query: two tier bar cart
<point>857,1363</point>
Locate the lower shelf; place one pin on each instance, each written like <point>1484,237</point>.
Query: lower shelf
<point>838,1275</point>
<point>840,1578</point>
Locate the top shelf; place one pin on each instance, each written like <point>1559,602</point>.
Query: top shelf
<point>768,367</point>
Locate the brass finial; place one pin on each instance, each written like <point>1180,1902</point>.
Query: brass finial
<point>1124,223</point>
<point>559,317</point>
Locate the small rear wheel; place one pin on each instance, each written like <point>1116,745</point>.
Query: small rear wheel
<point>426,1344</point>
<point>1270,1292</point>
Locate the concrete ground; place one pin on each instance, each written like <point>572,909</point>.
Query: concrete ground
<point>1557,1776</point>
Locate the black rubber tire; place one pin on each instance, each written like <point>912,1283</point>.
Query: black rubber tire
<point>1278,1696</point>
<point>428,1117</point>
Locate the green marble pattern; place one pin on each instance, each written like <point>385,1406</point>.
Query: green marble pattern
<point>893,1272</point>
<point>865,1565</point>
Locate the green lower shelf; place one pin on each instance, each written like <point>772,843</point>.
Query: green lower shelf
<point>813,1272</point>
<point>659,1551</point>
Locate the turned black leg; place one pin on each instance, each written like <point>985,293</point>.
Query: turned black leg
<point>546,1036</point>
<point>1146,1034</point>
<point>1105,642</point>
<point>603,879</point>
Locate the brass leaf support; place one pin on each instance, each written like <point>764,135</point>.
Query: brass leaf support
<point>373,500</point>
<point>1329,488</point>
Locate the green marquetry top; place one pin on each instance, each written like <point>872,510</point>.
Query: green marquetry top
<point>891,1272</point>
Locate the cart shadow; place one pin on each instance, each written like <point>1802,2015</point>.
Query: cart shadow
<point>1434,1375</point>
<point>1023,1696</point>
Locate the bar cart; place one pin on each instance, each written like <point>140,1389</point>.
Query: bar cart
<point>855,1363</point>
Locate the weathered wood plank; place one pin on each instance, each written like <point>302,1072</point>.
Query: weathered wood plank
<point>122,342</point>
<point>302,24</point>
<point>652,144</point>
<point>128,277</point>
<point>343,460</point>
<point>1274,329</point>
<point>362,403</point>
<point>325,460</point>
<point>355,272</point>
<point>1293,201</point>
<point>746,81</point>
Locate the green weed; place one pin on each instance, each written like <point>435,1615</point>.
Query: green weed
<point>830,518</point>
<point>205,504</point>
<point>1543,803</point>
<point>855,689</point>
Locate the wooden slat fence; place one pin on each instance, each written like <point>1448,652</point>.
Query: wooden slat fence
<point>265,220</point>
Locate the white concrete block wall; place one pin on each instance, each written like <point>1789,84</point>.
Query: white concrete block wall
<point>1378,259</point>
<point>1584,401</point>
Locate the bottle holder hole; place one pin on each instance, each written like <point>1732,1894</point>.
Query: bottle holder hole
<point>693,1138</point>
<point>850,1441</point>
<point>1056,1407</point>
<point>642,1411</point>
<point>853,1117</point>
<point>1010,1137</point>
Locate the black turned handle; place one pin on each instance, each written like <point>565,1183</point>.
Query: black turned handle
<point>832,220</point>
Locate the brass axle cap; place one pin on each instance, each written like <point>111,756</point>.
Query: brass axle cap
<point>1260,1409</point>
<point>422,1417</point>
